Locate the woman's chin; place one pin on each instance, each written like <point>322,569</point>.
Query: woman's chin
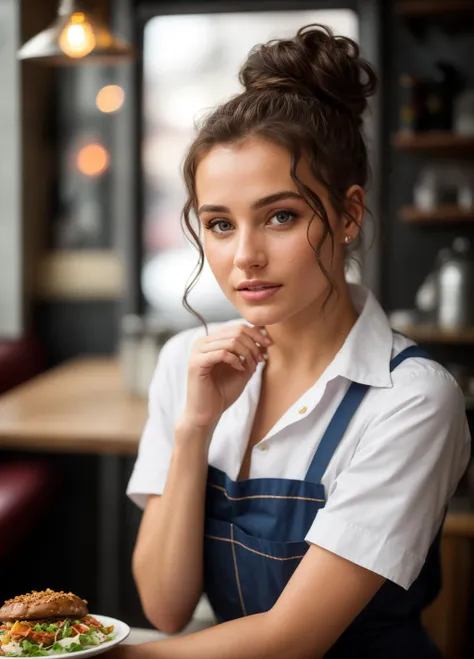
<point>261,317</point>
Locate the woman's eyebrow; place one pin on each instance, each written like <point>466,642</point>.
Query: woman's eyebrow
<point>278,196</point>
<point>260,203</point>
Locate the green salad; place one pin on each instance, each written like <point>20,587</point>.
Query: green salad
<point>30,638</point>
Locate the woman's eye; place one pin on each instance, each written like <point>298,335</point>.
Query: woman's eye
<point>282,217</point>
<point>220,226</point>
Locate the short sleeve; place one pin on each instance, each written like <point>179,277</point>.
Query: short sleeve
<point>384,509</point>
<point>164,399</point>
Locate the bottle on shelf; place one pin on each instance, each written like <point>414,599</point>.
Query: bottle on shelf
<point>456,288</point>
<point>427,104</point>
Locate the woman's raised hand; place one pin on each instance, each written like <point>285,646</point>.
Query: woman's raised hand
<point>220,366</point>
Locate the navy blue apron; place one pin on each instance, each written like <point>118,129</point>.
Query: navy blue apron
<point>254,541</point>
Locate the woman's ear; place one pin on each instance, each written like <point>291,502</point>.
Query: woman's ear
<point>355,211</point>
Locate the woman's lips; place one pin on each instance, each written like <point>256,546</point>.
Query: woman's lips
<point>258,295</point>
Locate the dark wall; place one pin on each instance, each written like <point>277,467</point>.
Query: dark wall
<point>408,251</point>
<point>69,329</point>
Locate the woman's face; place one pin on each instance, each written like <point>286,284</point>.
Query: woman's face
<point>255,228</point>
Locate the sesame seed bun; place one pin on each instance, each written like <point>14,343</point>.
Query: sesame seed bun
<point>43,604</point>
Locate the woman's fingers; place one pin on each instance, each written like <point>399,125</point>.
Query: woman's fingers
<point>258,350</point>
<point>251,336</point>
<point>207,360</point>
<point>237,345</point>
<point>258,335</point>
<point>246,350</point>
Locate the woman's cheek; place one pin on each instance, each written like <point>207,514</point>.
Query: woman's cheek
<point>219,259</point>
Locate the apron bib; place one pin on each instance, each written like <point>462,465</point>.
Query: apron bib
<point>254,541</point>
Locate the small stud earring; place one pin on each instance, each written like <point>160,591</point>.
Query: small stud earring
<point>347,240</point>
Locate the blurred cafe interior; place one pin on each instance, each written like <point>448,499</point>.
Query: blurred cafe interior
<point>97,106</point>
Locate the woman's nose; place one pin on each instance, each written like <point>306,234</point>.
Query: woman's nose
<point>249,252</point>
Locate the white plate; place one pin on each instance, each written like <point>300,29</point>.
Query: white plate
<point>121,631</point>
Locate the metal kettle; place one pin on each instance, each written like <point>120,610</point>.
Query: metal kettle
<point>456,287</point>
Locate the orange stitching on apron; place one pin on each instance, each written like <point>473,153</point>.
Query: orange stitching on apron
<point>254,551</point>
<point>237,578</point>
<point>262,496</point>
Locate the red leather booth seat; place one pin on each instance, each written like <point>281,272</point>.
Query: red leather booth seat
<point>25,492</point>
<point>25,484</point>
<point>20,360</point>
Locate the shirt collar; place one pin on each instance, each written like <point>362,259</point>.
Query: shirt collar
<point>367,351</point>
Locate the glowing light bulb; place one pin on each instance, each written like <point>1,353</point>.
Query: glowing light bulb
<point>110,98</point>
<point>93,159</point>
<point>77,38</point>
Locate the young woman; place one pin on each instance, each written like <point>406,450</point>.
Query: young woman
<point>296,466</point>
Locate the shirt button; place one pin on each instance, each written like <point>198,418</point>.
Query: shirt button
<point>303,410</point>
<point>263,447</point>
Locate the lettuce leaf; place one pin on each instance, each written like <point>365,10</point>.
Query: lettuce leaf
<point>57,648</point>
<point>74,647</point>
<point>89,639</point>
<point>65,630</point>
<point>31,649</point>
<point>49,627</point>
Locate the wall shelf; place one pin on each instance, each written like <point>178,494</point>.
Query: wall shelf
<point>443,214</point>
<point>432,334</point>
<point>415,8</point>
<point>435,142</point>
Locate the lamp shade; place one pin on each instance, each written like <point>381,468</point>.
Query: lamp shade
<point>76,37</point>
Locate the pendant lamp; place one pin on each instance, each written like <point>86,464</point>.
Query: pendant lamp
<point>77,36</point>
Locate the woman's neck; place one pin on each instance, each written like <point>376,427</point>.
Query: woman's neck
<point>308,342</point>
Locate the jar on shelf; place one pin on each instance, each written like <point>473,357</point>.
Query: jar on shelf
<point>456,288</point>
<point>464,113</point>
<point>132,328</point>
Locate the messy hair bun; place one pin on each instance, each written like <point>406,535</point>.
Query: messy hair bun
<point>313,63</point>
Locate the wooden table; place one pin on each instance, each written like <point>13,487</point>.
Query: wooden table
<point>82,407</point>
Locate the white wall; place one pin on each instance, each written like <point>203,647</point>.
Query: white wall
<point>11,284</point>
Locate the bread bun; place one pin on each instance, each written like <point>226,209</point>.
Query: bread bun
<point>43,604</point>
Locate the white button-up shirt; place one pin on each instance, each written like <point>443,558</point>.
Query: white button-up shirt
<point>394,471</point>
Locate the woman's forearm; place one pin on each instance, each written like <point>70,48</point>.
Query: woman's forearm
<point>168,558</point>
<point>252,637</point>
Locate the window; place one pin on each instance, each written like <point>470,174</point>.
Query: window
<point>191,64</point>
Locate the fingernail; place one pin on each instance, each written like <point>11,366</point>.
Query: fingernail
<point>263,331</point>
<point>265,356</point>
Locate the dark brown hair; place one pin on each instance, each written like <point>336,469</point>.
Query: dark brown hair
<point>306,94</point>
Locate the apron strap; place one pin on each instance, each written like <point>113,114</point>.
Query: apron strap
<point>343,416</point>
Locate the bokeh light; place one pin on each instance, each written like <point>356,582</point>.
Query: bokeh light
<point>110,98</point>
<point>93,159</point>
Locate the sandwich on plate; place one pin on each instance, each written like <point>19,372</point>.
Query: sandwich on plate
<point>48,622</point>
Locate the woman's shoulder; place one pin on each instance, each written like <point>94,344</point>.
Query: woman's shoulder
<point>423,369</point>
<point>419,383</point>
